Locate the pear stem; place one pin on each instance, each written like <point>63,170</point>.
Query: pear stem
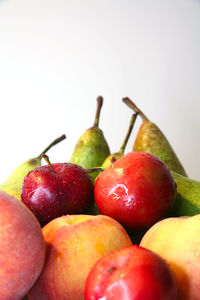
<point>132,105</point>
<point>91,170</point>
<point>56,141</point>
<point>99,106</point>
<point>130,128</point>
<point>46,158</point>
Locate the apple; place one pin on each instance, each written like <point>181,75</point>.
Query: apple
<point>74,244</point>
<point>22,248</point>
<point>177,241</point>
<point>50,191</point>
<point>131,273</point>
<point>137,190</point>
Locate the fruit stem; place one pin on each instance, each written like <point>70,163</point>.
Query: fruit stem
<point>132,105</point>
<point>46,158</point>
<point>99,106</point>
<point>56,141</point>
<point>91,170</point>
<point>130,128</point>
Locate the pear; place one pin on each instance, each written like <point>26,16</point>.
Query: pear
<point>14,182</point>
<point>116,155</point>
<point>151,139</point>
<point>187,202</point>
<point>92,147</point>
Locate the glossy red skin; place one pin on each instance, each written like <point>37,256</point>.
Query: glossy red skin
<point>49,195</point>
<point>131,273</point>
<point>137,190</point>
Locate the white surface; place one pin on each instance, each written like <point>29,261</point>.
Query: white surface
<point>57,56</point>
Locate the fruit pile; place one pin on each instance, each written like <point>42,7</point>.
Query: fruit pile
<point>104,225</point>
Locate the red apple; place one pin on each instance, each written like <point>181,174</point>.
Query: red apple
<point>131,273</point>
<point>137,190</point>
<point>55,190</point>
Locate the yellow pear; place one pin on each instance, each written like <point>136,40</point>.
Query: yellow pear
<point>152,140</point>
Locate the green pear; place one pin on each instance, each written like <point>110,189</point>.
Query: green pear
<point>92,147</point>
<point>151,139</point>
<point>14,182</point>
<point>116,155</point>
<point>187,202</point>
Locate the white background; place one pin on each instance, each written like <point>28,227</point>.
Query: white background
<point>57,56</point>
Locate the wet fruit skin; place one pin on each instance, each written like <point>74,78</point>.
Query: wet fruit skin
<point>131,273</point>
<point>48,194</point>
<point>136,190</point>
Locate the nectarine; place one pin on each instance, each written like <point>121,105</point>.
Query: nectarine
<point>74,244</point>
<point>177,240</point>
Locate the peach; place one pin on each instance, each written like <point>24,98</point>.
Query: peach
<point>22,248</point>
<point>177,240</point>
<point>74,244</point>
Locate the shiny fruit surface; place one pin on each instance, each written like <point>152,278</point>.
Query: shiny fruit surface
<point>67,189</point>
<point>137,190</point>
<point>131,273</point>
